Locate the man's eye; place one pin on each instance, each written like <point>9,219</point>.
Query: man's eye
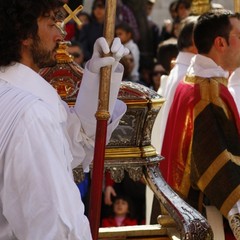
<point>52,23</point>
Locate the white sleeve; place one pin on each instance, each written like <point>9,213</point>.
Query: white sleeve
<point>235,92</point>
<point>39,198</point>
<point>85,109</point>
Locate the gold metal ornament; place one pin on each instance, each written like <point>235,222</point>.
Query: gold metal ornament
<point>200,6</point>
<point>237,5</point>
<point>72,14</point>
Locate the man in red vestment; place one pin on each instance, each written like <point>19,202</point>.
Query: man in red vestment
<point>201,145</point>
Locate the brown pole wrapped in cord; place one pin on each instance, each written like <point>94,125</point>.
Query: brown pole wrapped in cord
<point>102,116</point>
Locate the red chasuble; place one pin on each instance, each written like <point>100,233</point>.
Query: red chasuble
<point>202,142</point>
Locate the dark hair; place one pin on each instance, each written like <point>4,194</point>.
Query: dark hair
<point>126,27</point>
<point>100,3</point>
<point>211,25</point>
<point>187,4</point>
<point>172,6</point>
<point>84,14</point>
<point>166,52</point>
<point>18,20</point>
<point>185,38</point>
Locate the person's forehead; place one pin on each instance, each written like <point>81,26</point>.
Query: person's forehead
<point>49,16</point>
<point>120,30</point>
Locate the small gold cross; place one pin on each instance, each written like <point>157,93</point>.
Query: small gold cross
<point>72,14</point>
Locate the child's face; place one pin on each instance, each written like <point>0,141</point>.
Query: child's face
<point>120,207</point>
<point>123,35</point>
<point>128,64</point>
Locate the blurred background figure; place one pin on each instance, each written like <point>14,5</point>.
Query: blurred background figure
<point>154,31</point>
<point>157,73</point>
<point>167,28</point>
<point>94,29</point>
<point>75,50</point>
<point>125,33</point>
<point>125,14</point>
<point>178,11</point>
<point>166,54</point>
<point>128,64</point>
<point>121,214</point>
<point>183,9</point>
<point>73,29</point>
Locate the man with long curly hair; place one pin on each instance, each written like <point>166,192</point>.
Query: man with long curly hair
<point>41,138</point>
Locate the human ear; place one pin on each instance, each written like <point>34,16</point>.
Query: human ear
<point>220,43</point>
<point>26,42</point>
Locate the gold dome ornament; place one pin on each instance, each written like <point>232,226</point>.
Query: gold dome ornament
<point>199,7</point>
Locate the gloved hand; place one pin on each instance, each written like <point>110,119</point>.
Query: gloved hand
<point>101,47</point>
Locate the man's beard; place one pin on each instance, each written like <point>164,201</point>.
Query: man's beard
<point>41,56</point>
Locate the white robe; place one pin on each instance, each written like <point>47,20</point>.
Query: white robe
<point>234,87</point>
<point>39,199</point>
<point>176,75</point>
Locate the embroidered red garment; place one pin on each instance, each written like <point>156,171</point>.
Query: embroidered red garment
<point>203,124</point>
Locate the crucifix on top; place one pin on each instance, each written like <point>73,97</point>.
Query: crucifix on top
<point>71,15</point>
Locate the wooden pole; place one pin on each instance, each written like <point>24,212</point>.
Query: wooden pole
<point>102,116</point>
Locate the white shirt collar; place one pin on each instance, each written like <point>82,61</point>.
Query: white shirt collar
<point>203,66</point>
<point>184,58</point>
<point>26,79</point>
<point>234,78</point>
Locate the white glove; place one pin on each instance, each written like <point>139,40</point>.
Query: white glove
<point>101,47</point>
